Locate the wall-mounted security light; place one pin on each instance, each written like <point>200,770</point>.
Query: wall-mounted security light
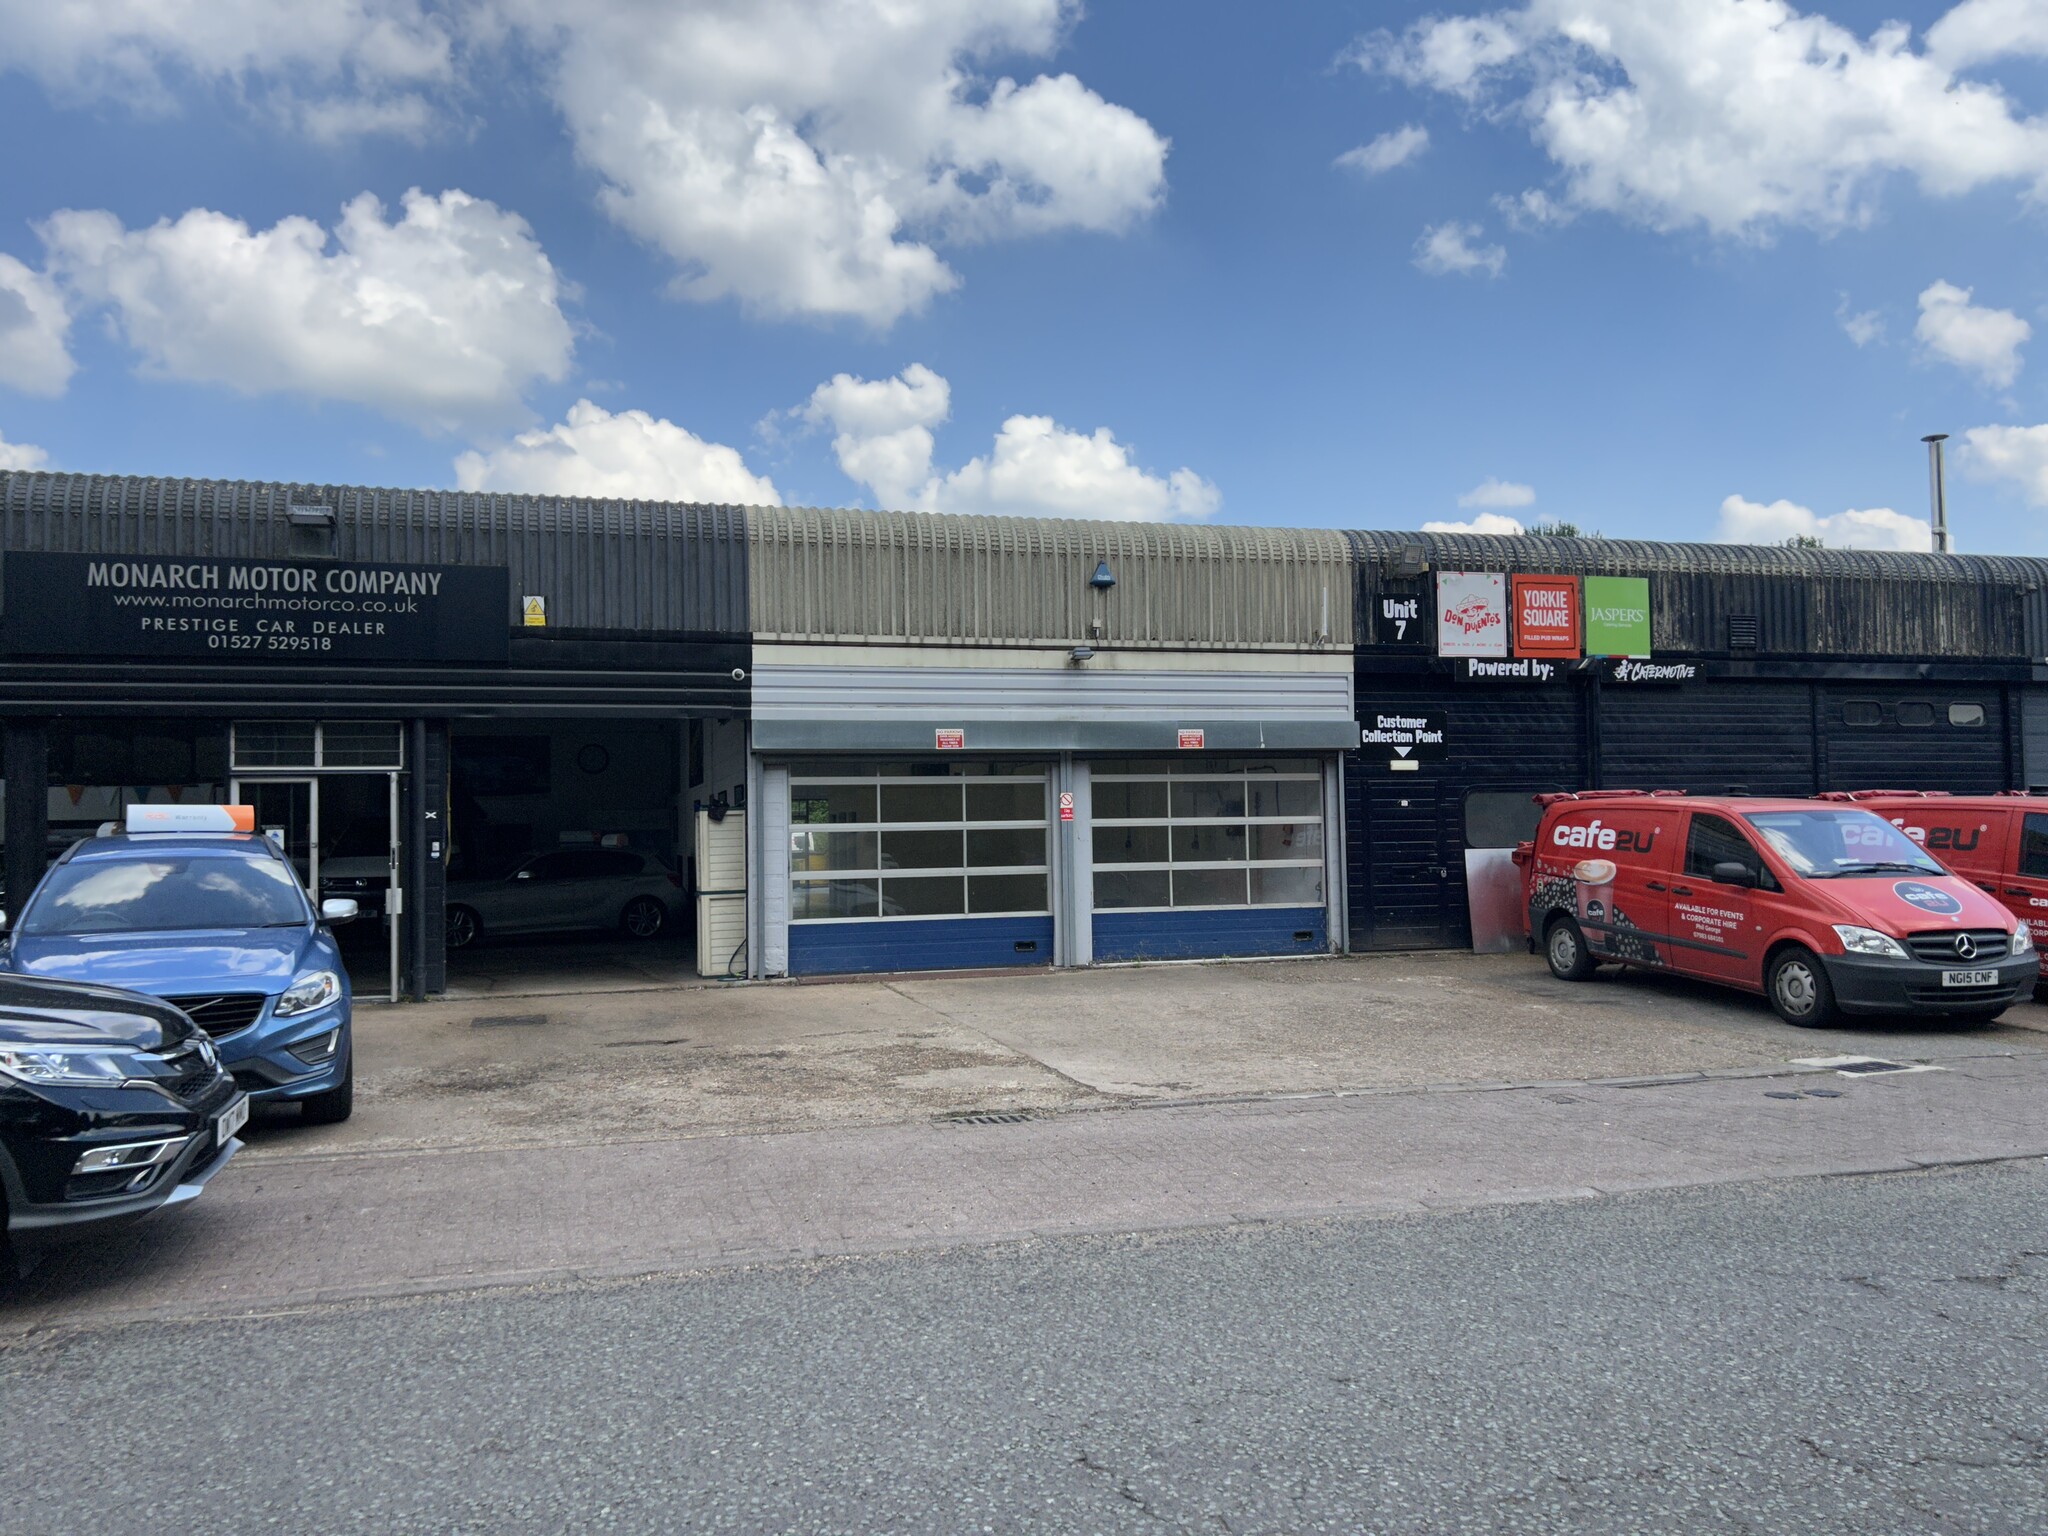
<point>1104,578</point>
<point>1079,654</point>
<point>1411,560</point>
<point>310,516</point>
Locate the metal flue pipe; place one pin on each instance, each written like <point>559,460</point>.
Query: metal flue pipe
<point>1937,481</point>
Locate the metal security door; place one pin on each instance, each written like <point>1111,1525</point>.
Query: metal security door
<point>1417,899</point>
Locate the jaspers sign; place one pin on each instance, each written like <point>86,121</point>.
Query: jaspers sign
<point>145,607</point>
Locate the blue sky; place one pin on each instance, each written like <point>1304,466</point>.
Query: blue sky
<point>836,261</point>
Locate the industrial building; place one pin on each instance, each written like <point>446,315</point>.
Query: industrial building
<point>870,741</point>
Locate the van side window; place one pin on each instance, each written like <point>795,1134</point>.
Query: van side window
<point>2034,846</point>
<point>1714,840</point>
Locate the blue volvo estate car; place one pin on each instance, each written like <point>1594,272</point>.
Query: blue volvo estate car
<point>218,924</point>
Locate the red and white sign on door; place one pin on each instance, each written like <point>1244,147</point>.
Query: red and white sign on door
<point>1191,741</point>
<point>1066,805</point>
<point>950,740</point>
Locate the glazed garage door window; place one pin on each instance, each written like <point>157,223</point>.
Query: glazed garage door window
<point>1207,834</point>
<point>901,840</point>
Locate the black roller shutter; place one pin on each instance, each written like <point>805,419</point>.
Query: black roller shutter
<point>1708,737</point>
<point>1902,736</point>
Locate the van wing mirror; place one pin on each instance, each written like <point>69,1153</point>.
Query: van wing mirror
<point>1730,872</point>
<point>338,909</point>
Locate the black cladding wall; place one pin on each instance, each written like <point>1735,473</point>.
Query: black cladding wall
<point>1846,680</point>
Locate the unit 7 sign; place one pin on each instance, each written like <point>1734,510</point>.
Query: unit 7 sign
<point>1416,737</point>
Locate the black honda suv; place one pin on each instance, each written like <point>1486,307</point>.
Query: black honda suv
<point>112,1105</point>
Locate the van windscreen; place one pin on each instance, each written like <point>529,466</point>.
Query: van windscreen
<point>1824,844</point>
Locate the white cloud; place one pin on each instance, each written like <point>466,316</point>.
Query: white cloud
<point>1491,492</point>
<point>1391,149</point>
<point>21,456</point>
<point>2015,454</point>
<point>1735,115</point>
<point>440,318</point>
<point>33,324</point>
<point>802,156</point>
<point>333,66</point>
<point>1861,326</point>
<point>1447,249</point>
<point>1035,468</point>
<point>1985,342</point>
<point>1977,31</point>
<point>629,456</point>
<point>1531,209</point>
<point>882,429</point>
<point>1751,522</point>
<point>1486,522</point>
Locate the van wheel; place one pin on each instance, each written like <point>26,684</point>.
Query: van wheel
<point>462,927</point>
<point>1800,991</point>
<point>643,918</point>
<point>1565,948</point>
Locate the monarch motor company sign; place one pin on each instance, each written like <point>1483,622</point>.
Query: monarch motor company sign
<point>146,607</point>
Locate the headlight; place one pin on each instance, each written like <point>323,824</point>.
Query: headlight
<point>308,993</point>
<point>2022,940</point>
<point>78,1066</point>
<point>1868,941</point>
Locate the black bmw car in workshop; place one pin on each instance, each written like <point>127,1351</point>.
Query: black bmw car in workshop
<point>113,1105</point>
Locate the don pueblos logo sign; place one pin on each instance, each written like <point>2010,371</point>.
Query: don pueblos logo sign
<point>1471,614</point>
<point>222,609</point>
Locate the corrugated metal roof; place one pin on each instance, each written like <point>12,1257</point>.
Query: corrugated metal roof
<point>644,566</point>
<point>940,579</point>
<point>1643,557</point>
<point>1808,602</point>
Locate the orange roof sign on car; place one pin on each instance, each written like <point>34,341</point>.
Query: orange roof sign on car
<point>191,818</point>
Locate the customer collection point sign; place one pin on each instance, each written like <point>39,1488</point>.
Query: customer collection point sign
<point>1411,736</point>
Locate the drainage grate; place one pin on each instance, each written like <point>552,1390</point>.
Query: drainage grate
<point>1873,1066</point>
<point>507,1020</point>
<point>994,1117</point>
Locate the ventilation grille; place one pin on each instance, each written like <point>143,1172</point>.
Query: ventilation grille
<point>1742,632</point>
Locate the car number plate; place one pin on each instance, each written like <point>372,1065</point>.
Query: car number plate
<point>230,1120</point>
<point>1969,978</point>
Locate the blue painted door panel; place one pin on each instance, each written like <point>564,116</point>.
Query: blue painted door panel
<point>1195,933</point>
<point>929,944</point>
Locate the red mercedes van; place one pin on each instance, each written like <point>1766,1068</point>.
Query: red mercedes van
<point>1999,842</point>
<point>1821,906</point>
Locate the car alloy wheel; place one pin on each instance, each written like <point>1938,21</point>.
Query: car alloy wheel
<point>461,923</point>
<point>644,917</point>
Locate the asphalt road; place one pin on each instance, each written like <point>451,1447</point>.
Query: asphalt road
<point>1846,1354</point>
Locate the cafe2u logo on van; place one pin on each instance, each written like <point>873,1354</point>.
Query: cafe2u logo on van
<point>1951,839</point>
<point>1593,835</point>
<point>1927,898</point>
